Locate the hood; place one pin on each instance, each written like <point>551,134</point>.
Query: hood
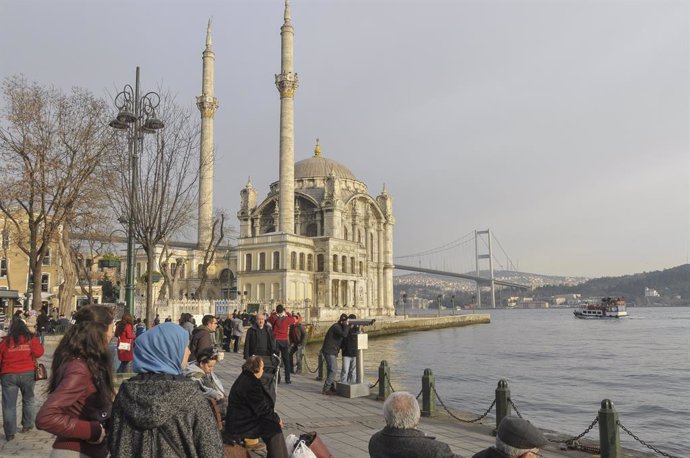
<point>149,401</point>
<point>200,329</point>
<point>193,371</point>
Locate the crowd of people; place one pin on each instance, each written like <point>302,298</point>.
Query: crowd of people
<point>176,405</point>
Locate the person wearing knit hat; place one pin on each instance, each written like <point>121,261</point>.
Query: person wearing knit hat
<point>330,349</point>
<point>515,438</point>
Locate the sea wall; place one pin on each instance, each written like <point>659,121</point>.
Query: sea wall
<point>400,325</point>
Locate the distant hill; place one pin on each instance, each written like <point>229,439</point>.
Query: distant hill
<point>672,285</point>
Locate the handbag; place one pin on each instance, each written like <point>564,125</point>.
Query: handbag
<point>124,346</point>
<point>315,444</point>
<point>235,450</point>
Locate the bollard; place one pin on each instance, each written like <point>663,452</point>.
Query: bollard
<point>320,365</point>
<point>384,381</point>
<point>428,394</point>
<point>609,436</point>
<point>502,401</point>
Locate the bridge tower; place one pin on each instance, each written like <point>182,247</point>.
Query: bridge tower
<point>479,235</point>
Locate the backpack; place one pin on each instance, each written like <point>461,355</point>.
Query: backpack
<point>140,330</point>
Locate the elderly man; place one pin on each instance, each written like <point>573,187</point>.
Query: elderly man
<point>400,438</point>
<point>515,438</point>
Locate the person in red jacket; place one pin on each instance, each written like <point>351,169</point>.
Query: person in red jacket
<point>80,388</point>
<point>18,353</point>
<point>281,322</point>
<point>125,342</point>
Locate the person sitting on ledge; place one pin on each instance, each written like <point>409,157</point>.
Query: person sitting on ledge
<point>400,438</point>
<point>515,438</point>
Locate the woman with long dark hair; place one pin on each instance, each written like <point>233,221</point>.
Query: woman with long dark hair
<point>81,386</point>
<point>125,342</point>
<point>19,351</point>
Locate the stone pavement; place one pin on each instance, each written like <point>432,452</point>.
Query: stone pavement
<point>345,425</point>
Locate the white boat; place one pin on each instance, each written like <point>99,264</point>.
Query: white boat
<point>608,308</point>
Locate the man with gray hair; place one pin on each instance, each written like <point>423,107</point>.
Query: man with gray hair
<point>400,438</point>
<point>515,438</point>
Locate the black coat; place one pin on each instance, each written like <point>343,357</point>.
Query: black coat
<point>407,443</point>
<point>251,341</point>
<point>490,452</point>
<point>334,338</point>
<point>250,410</point>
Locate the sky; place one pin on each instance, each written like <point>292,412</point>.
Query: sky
<point>561,125</point>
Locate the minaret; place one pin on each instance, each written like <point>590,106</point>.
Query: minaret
<point>207,105</point>
<point>286,82</point>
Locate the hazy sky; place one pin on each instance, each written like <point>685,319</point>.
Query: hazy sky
<point>562,125</point>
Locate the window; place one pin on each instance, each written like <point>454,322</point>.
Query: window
<point>352,265</point>
<point>3,267</point>
<point>310,262</point>
<point>312,230</point>
<point>371,247</point>
<point>293,260</point>
<point>181,270</point>
<point>262,261</point>
<point>344,264</point>
<point>301,261</point>
<point>345,234</point>
<point>5,239</point>
<point>248,262</point>
<point>45,281</point>
<point>46,258</point>
<point>276,260</point>
<point>361,268</point>
<point>335,263</point>
<point>319,263</point>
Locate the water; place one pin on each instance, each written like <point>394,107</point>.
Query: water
<point>559,369</point>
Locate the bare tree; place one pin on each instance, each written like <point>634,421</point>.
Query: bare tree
<point>50,145</point>
<point>165,184</point>
<point>217,236</point>
<point>171,272</point>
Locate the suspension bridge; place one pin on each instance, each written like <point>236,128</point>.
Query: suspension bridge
<point>454,255</point>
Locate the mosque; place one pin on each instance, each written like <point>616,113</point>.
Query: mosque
<point>318,241</point>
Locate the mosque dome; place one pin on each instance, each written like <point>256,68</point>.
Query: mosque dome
<point>319,166</point>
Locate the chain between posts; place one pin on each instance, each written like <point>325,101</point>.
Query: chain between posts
<point>390,386</point>
<point>306,363</point>
<point>573,444</point>
<point>510,400</point>
<point>649,446</point>
<point>374,385</point>
<point>458,418</point>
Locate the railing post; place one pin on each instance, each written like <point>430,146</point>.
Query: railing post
<point>320,364</point>
<point>502,401</point>
<point>384,381</point>
<point>428,394</point>
<point>609,436</point>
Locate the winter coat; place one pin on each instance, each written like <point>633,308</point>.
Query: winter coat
<point>210,385</point>
<point>491,452</point>
<point>407,443</point>
<point>201,340</point>
<point>250,410</point>
<point>250,343</point>
<point>163,415</point>
<point>127,336</point>
<point>237,328</point>
<point>20,356</point>
<point>189,327</point>
<point>349,346</point>
<point>298,335</point>
<point>74,412</point>
<point>281,325</point>
<point>334,338</point>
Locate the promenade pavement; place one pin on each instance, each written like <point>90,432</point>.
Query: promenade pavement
<point>345,425</point>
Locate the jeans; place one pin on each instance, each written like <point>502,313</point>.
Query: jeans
<point>348,373</point>
<point>41,337</point>
<point>124,367</point>
<point>284,350</point>
<point>299,349</point>
<point>331,366</point>
<point>11,385</point>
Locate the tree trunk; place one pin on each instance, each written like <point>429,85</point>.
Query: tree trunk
<point>149,285</point>
<point>37,300</point>
<point>68,272</point>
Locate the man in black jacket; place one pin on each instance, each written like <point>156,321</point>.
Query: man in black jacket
<point>515,438</point>
<point>259,341</point>
<point>331,346</point>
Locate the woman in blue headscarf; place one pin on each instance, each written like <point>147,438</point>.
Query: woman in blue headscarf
<point>160,412</point>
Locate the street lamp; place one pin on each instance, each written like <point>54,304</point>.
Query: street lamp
<point>439,305</point>
<point>136,115</point>
<point>404,301</point>
<point>452,301</point>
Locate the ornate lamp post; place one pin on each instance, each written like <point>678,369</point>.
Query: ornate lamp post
<point>439,305</point>
<point>136,115</point>
<point>404,301</point>
<point>452,301</point>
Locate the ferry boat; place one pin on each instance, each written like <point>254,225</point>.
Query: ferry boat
<point>607,308</point>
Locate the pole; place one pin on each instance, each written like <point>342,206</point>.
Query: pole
<point>134,142</point>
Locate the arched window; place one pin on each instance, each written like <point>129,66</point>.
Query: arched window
<point>293,260</point>
<point>361,268</point>
<point>301,261</point>
<point>311,230</point>
<point>262,261</point>
<point>344,264</point>
<point>345,232</point>
<point>276,260</point>
<point>248,262</point>
<point>310,262</point>
<point>335,263</point>
<point>352,266</point>
<point>319,263</point>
